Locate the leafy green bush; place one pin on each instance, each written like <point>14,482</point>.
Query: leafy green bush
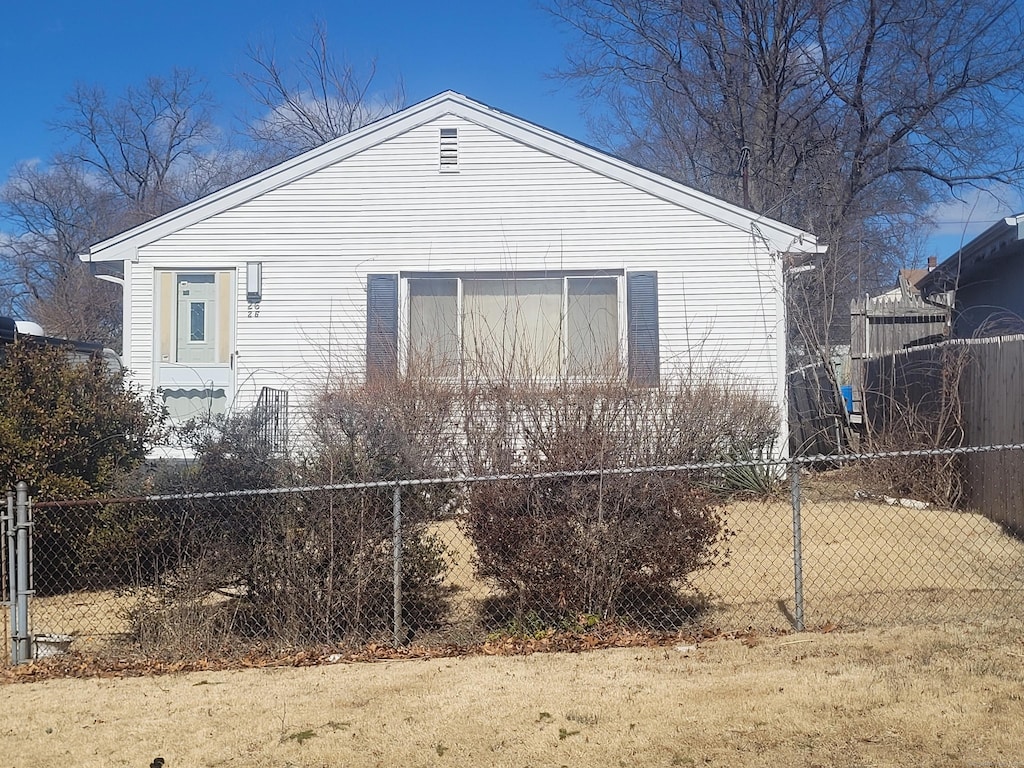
<point>68,429</point>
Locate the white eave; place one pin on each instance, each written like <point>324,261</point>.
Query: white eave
<point>781,238</point>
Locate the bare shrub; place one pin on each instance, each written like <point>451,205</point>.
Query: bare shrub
<point>321,569</point>
<point>612,544</point>
<point>913,404</point>
<point>338,556</point>
<point>315,566</point>
<point>318,564</point>
<point>592,546</point>
<point>612,423</point>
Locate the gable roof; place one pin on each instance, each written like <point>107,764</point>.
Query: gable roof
<point>1003,239</point>
<point>780,237</point>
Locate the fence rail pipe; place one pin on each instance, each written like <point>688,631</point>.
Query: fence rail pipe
<point>798,554</point>
<point>9,532</point>
<point>396,523</point>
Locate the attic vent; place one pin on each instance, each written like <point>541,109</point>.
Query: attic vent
<point>449,149</point>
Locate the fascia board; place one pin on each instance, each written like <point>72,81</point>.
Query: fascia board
<point>1001,234</point>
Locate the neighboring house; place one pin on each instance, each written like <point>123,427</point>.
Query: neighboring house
<point>985,279</point>
<point>455,234</point>
<point>965,387</point>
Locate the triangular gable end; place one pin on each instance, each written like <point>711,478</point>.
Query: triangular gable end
<point>779,237</point>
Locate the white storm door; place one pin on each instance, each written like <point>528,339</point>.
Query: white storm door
<point>194,339</point>
<point>196,331</point>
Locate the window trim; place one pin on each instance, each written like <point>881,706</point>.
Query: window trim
<point>385,303</point>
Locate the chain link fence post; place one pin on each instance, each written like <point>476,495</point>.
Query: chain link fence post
<point>396,523</point>
<point>798,554</point>
<point>21,639</point>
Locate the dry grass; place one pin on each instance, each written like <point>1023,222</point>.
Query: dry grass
<point>927,671</point>
<point>934,696</point>
<point>864,563</point>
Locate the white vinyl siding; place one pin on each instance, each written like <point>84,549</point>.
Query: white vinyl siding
<point>510,208</point>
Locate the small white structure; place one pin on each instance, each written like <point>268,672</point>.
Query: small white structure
<point>415,234</point>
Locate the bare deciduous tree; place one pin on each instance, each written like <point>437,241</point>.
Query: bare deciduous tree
<point>147,144</point>
<point>318,98</point>
<point>144,152</point>
<point>126,160</point>
<point>845,117</point>
<point>57,212</point>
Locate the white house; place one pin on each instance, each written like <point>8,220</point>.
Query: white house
<point>416,235</point>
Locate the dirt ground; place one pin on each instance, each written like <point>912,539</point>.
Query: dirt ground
<point>949,695</point>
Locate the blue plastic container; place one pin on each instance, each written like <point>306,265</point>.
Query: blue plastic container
<point>848,397</point>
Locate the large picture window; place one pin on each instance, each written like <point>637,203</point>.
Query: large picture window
<point>514,326</point>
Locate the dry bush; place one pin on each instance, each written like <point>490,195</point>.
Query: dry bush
<point>317,565</point>
<point>602,546</point>
<point>604,424</point>
<point>917,405</point>
<point>611,545</point>
<point>321,568</point>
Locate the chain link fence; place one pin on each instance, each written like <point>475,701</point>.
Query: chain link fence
<point>823,542</point>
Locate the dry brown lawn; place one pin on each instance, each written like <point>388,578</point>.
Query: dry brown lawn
<point>948,695</point>
<point>864,563</point>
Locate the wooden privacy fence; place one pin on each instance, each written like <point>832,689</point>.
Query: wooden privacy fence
<point>974,385</point>
<point>887,325</point>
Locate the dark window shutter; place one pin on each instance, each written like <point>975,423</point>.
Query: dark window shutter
<point>381,327</point>
<point>642,334</point>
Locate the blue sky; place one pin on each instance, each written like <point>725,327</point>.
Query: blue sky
<point>500,52</point>
<point>495,51</point>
